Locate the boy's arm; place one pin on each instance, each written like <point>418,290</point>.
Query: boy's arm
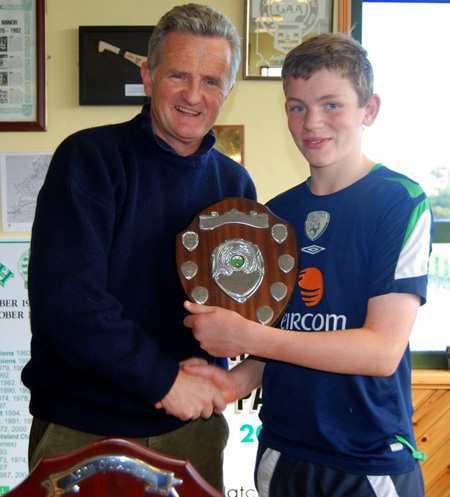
<point>234,384</point>
<point>374,350</point>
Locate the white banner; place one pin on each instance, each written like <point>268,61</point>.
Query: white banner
<point>15,419</point>
<point>14,354</point>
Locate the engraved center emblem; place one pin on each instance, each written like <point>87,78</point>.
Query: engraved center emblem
<point>237,267</point>
<point>237,261</point>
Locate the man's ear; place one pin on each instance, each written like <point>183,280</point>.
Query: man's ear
<point>146,79</point>
<point>371,109</point>
<point>229,91</point>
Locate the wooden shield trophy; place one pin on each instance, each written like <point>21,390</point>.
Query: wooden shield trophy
<point>238,255</point>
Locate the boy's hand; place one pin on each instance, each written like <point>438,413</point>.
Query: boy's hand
<point>220,332</point>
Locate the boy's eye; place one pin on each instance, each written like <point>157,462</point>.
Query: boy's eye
<point>332,106</point>
<point>298,108</point>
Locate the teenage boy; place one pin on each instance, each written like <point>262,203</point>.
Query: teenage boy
<point>336,377</point>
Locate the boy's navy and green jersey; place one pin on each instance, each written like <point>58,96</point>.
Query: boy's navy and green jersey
<point>370,239</point>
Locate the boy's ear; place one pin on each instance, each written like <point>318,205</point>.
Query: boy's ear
<point>372,108</point>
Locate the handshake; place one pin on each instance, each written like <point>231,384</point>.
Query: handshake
<point>201,389</point>
<point>197,391</point>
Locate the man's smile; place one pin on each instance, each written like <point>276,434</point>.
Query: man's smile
<point>187,111</point>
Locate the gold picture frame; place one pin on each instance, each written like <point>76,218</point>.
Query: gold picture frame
<point>230,141</point>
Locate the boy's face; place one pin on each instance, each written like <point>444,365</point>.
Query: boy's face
<point>325,119</point>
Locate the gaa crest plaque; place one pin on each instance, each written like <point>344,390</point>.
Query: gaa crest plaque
<point>238,255</point>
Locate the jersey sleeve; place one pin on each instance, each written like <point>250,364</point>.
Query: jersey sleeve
<point>402,244</point>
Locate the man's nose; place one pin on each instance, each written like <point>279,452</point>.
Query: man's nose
<point>192,92</point>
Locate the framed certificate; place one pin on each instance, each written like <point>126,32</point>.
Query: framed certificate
<point>273,27</point>
<point>22,66</point>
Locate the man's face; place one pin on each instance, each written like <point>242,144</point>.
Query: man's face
<point>189,89</point>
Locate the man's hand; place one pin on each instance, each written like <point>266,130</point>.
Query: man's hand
<point>191,397</point>
<point>194,361</point>
<point>221,378</point>
<point>221,332</point>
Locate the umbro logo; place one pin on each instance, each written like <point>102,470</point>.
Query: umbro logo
<point>312,249</point>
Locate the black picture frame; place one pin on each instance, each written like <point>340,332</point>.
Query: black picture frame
<point>112,77</point>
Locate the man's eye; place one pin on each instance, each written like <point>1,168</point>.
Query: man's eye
<point>332,106</point>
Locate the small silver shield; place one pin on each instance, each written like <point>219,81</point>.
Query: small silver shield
<point>316,223</point>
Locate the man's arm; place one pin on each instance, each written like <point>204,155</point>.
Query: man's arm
<point>374,349</point>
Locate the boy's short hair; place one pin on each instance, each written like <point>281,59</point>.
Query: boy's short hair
<point>335,52</point>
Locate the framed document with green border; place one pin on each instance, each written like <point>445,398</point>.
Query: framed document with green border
<point>22,66</point>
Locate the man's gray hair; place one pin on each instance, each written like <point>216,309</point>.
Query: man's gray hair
<point>200,20</point>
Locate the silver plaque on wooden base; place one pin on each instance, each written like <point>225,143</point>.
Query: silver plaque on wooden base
<point>238,255</point>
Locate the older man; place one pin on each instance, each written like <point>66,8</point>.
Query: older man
<point>106,309</point>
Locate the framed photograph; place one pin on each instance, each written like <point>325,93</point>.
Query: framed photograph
<point>110,64</point>
<point>272,28</point>
<point>22,66</point>
<point>22,175</point>
<point>230,141</point>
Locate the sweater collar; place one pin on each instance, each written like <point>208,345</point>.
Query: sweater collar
<point>207,144</point>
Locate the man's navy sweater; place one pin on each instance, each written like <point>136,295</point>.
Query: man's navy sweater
<point>106,304</point>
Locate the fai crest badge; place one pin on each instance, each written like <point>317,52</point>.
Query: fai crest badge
<point>316,224</point>
<point>237,254</point>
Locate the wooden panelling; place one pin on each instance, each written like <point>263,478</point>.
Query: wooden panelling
<point>431,399</point>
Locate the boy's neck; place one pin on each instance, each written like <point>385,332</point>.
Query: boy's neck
<point>328,180</point>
